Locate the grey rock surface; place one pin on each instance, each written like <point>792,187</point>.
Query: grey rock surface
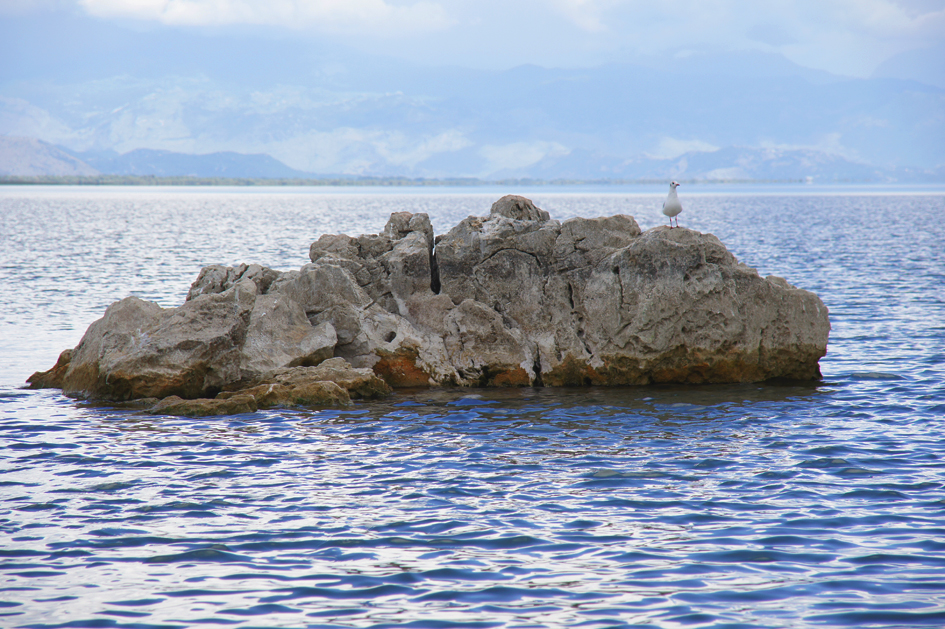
<point>139,349</point>
<point>280,335</point>
<point>511,299</point>
<point>217,279</point>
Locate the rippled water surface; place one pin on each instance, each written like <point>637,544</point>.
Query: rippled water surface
<point>764,505</point>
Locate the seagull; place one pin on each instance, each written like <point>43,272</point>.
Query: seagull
<point>672,206</point>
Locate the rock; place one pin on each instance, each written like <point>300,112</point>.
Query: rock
<point>390,267</point>
<point>204,407</point>
<point>300,394</point>
<point>675,306</point>
<point>331,384</point>
<point>533,273</point>
<point>486,350</point>
<point>518,208</point>
<point>139,349</point>
<point>51,379</point>
<point>359,383</point>
<point>140,404</point>
<point>597,302</point>
<point>511,299</point>
<point>279,335</point>
<point>217,279</point>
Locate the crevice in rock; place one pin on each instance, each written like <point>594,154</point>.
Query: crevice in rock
<point>528,253</point>
<point>434,273</point>
<point>484,376</point>
<point>619,285</point>
<point>537,367</point>
<point>579,325</point>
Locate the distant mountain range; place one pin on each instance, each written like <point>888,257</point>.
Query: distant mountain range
<point>732,164</point>
<point>702,115</point>
<point>25,157</point>
<point>30,157</point>
<point>150,162</point>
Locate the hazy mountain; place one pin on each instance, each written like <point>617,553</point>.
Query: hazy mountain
<point>764,164</point>
<point>330,110</point>
<point>27,157</point>
<point>170,164</point>
<point>30,157</point>
<point>926,65</point>
<point>731,163</point>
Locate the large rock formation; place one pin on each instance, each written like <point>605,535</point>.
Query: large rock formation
<point>512,299</point>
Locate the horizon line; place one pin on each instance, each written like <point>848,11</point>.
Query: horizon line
<point>377,181</point>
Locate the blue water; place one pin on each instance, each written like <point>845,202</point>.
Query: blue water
<point>717,506</point>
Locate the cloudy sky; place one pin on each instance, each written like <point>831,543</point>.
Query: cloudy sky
<point>848,37</point>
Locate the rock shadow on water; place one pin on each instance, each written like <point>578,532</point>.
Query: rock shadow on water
<point>674,399</point>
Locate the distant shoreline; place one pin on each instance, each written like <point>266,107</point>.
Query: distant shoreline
<point>137,180</point>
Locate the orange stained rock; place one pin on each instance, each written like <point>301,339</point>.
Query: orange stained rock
<point>517,377</point>
<point>399,369</point>
<point>572,372</point>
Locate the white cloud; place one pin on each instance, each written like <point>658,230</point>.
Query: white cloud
<point>19,118</point>
<point>845,36</point>
<point>585,14</point>
<point>829,143</point>
<point>518,155</point>
<point>725,174</point>
<point>342,150</point>
<point>668,148</point>
<point>360,151</point>
<point>401,150</point>
<point>345,15</point>
<point>842,36</point>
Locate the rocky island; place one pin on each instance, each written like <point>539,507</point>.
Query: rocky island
<point>512,299</point>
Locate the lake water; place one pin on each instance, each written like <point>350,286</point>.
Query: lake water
<point>712,506</point>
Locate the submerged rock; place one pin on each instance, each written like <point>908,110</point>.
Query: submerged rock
<point>358,383</point>
<point>511,299</point>
<point>203,407</point>
<point>311,394</point>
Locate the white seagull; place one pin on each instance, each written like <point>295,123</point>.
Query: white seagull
<point>672,206</point>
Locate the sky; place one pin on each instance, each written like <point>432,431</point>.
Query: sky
<point>846,37</point>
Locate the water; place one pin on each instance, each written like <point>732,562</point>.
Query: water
<point>717,506</point>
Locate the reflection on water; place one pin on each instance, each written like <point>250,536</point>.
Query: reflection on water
<point>765,505</point>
